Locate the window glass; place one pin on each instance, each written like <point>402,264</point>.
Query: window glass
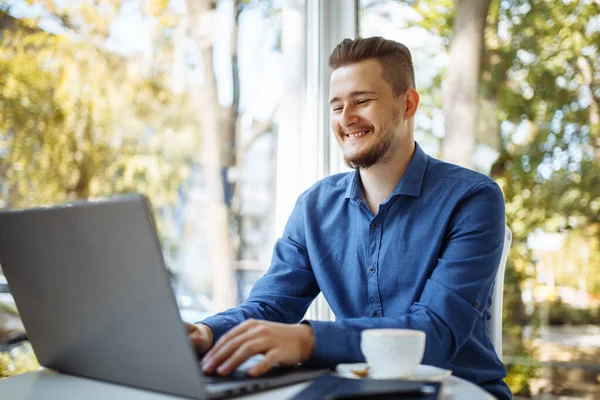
<point>176,99</point>
<point>538,138</point>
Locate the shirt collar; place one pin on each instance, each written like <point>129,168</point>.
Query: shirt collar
<point>410,184</point>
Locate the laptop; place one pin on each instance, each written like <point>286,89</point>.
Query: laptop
<point>90,283</point>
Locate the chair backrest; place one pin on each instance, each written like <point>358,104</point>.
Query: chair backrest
<point>495,322</point>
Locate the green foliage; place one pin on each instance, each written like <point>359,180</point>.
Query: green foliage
<point>438,17</point>
<point>77,121</point>
<point>548,96</point>
<point>18,360</point>
<point>518,378</point>
<point>548,169</point>
<point>541,72</point>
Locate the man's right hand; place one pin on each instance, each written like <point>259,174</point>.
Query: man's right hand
<point>201,337</point>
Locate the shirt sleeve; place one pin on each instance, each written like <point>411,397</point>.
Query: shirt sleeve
<point>454,297</point>
<point>284,293</point>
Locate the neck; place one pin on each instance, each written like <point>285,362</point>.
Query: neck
<point>379,180</point>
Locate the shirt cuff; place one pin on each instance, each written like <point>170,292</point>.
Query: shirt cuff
<point>334,344</point>
<point>218,325</point>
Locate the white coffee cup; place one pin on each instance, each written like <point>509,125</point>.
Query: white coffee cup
<point>392,353</point>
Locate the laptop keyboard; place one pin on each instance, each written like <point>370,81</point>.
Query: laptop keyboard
<point>236,376</point>
<point>240,375</point>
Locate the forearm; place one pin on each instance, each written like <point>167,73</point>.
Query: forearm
<point>284,293</point>
<point>339,342</point>
<point>272,307</point>
<point>222,322</point>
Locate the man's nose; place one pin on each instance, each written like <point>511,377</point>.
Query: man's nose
<point>349,117</point>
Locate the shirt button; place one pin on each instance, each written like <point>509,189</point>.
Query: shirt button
<point>374,225</point>
<point>372,269</point>
<point>475,304</point>
<point>375,314</point>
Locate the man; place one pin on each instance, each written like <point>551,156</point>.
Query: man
<point>404,241</point>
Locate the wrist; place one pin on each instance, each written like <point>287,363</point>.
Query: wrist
<point>307,342</point>
<point>207,336</point>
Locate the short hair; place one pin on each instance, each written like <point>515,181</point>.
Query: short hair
<point>394,57</point>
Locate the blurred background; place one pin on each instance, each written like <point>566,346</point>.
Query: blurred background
<point>217,111</point>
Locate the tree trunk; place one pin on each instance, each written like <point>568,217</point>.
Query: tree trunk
<point>223,150</point>
<point>593,110</point>
<point>462,92</point>
<point>232,145</point>
<point>223,280</point>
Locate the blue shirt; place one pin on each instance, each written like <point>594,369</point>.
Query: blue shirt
<point>427,260</point>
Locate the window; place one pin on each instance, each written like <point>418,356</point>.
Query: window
<point>532,138</point>
<point>178,100</point>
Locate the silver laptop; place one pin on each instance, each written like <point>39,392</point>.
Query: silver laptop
<point>93,292</point>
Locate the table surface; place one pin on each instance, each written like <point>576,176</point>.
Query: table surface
<point>49,385</point>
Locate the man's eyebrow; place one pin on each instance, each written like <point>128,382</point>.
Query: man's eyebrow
<point>354,94</point>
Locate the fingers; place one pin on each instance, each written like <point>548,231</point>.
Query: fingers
<point>227,349</point>
<point>235,347</point>
<point>236,331</point>
<point>242,328</point>
<point>241,354</point>
<point>265,365</point>
<point>279,342</point>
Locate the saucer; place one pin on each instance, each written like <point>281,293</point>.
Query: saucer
<point>422,373</point>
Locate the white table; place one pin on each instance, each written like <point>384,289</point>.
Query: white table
<point>50,385</point>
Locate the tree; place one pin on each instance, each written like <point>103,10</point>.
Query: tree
<point>539,82</point>
<point>461,95</point>
<point>223,147</point>
<point>213,140</point>
<point>72,116</point>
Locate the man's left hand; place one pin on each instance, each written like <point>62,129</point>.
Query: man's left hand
<point>282,344</point>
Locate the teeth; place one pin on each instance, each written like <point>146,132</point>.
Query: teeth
<point>359,134</point>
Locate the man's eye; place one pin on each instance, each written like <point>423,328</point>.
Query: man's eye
<point>337,109</point>
<point>365,101</point>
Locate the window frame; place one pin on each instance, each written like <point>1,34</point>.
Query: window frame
<point>306,149</point>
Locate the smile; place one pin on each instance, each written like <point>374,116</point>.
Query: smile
<point>357,134</point>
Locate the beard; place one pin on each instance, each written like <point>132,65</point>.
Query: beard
<point>379,152</point>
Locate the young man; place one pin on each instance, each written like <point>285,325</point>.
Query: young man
<point>404,241</point>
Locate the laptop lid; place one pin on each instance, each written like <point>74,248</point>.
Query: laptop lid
<point>91,287</point>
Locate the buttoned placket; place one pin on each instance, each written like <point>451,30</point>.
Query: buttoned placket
<point>375,229</point>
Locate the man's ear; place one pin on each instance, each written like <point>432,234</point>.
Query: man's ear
<point>412,103</point>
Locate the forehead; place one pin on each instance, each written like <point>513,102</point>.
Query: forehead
<point>361,76</point>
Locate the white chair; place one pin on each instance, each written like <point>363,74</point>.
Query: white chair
<point>495,322</point>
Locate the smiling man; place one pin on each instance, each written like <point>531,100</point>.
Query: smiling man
<point>403,241</point>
